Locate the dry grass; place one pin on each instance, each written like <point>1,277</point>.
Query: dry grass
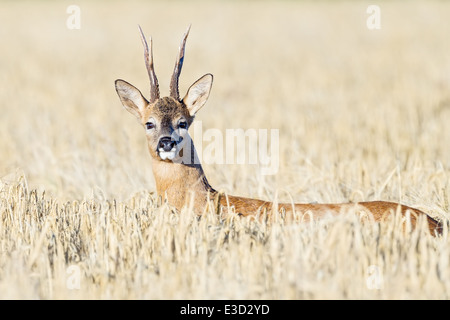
<point>362,115</point>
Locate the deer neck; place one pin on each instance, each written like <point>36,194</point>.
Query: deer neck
<point>179,183</point>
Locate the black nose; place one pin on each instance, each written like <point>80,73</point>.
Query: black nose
<point>166,143</point>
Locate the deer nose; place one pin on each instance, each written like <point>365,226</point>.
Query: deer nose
<point>166,143</point>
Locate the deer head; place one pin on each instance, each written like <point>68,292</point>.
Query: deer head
<point>166,120</point>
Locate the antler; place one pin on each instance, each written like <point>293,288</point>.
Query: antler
<point>179,64</point>
<point>148,56</point>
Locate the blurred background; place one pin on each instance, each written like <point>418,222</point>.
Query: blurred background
<point>361,113</point>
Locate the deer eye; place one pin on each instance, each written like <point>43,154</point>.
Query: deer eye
<point>150,125</point>
<point>182,125</point>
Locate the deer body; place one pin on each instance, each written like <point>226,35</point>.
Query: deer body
<point>172,179</point>
<point>179,176</point>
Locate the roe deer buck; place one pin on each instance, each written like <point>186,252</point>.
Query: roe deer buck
<point>177,174</point>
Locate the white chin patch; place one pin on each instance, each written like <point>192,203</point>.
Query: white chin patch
<point>167,155</point>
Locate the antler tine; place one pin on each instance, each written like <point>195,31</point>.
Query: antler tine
<point>148,56</point>
<point>178,65</point>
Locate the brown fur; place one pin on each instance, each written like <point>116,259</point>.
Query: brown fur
<point>178,183</point>
<point>374,210</point>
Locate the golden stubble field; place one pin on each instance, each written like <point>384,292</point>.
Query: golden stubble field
<point>361,114</point>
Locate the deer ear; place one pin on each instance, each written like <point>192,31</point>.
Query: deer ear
<point>132,99</point>
<point>198,93</point>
